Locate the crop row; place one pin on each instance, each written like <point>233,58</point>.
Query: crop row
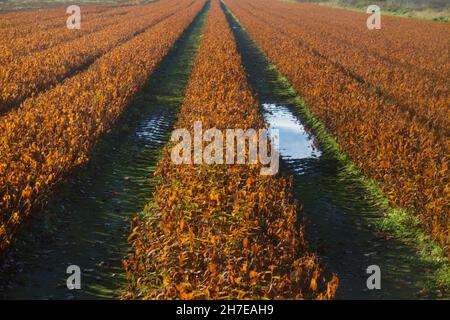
<point>217,231</point>
<point>21,23</point>
<point>52,133</point>
<point>30,74</point>
<point>407,41</point>
<point>13,47</point>
<point>407,160</point>
<point>423,95</point>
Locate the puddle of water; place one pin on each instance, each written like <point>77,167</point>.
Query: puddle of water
<point>93,208</point>
<point>295,142</point>
<point>152,129</point>
<point>339,213</point>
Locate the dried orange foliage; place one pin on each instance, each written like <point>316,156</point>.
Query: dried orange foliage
<point>398,136</point>
<point>19,23</point>
<point>54,132</point>
<point>394,61</point>
<point>29,74</point>
<point>14,44</point>
<point>221,231</point>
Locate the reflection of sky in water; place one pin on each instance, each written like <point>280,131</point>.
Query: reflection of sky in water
<point>294,140</point>
<point>152,129</point>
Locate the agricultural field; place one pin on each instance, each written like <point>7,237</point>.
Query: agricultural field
<point>436,10</point>
<point>222,150</point>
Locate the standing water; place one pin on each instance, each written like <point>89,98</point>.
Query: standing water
<point>339,213</point>
<point>296,144</point>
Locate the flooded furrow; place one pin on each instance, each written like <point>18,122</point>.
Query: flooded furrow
<point>339,211</point>
<point>88,216</point>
